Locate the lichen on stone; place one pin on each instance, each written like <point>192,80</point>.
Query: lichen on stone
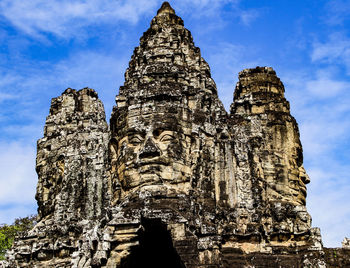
<point>175,180</point>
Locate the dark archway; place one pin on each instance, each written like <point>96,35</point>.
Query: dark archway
<point>155,249</point>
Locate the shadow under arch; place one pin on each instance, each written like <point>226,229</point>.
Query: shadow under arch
<point>155,249</point>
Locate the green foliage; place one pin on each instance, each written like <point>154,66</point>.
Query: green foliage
<point>9,232</point>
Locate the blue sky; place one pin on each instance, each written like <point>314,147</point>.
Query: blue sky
<point>47,46</point>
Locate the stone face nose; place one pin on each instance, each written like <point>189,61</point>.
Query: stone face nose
<point>150,150</point>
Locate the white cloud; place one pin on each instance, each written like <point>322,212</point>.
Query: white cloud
<point>5,96</point>
<point>103,72</point>
<point>336,47</point>
<point>337,11</point>
<point>65,18</point>
<point>334,51</point>
<point>321,135</point>
<point>75,19</point>
<point>17,179</point>
<point>23,132</point>
<point>324,87</point>
<point>226,61</point>
<point>11,212</point>
<point>90,67</point>
<point>36,84</point>
<point>7,78</point>
<point>216,9</point>
<point>201,7</point>
<point>329,191</point>
<point>321,104</point>
<point>248,16</point>
<point>329,187</point>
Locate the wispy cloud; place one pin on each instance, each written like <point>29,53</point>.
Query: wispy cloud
<point>336,47</point>
<point>202,7</point>
<point>35,85</point>
<point>226,61</point>
<point>103,72</point>
<point>18,178</point>
<point>329,191</point>
<point>336,50</point>
<point>321,102</point>
<point>4,96</point>
<point>66,19</point>
<point>216,9</point>
<point>337,11</point>
<point>324,87</point>
<point>248,16</point>
<point>8,78</point>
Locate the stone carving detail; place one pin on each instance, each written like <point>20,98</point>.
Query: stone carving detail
<point>164,110</point>
<point>259,99</point>
<point>74,146</point>
<point>270,170</point>
<point>73,167</point>
<point>175,172</point>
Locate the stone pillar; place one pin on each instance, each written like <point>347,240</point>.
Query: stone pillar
<point>72,192</point>
<point>270,157</point>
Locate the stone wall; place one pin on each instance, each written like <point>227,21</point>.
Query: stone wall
<point>176,181</point>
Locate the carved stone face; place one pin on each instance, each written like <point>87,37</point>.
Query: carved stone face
<point>286,175</point>
<point>153,149</point>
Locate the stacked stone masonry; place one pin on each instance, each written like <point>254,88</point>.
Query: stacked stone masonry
<point>174,180</point>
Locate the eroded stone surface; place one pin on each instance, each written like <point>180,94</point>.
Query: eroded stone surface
<point>176,181</point>
<point>270,175</point>
<point>73,167</point>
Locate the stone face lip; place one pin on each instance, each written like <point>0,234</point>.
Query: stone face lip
<point>175,181</point>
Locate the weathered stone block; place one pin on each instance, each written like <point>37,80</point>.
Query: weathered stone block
<point>176,181</point>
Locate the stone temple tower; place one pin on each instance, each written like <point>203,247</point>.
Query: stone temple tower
<point>174,180</point>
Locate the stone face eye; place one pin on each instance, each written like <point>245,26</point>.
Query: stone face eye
<point>136,139</point>
<point>167,137</point>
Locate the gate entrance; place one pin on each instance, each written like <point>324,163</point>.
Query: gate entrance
<point>156,248</point>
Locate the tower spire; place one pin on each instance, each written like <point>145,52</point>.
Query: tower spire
<point>166,8</point>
